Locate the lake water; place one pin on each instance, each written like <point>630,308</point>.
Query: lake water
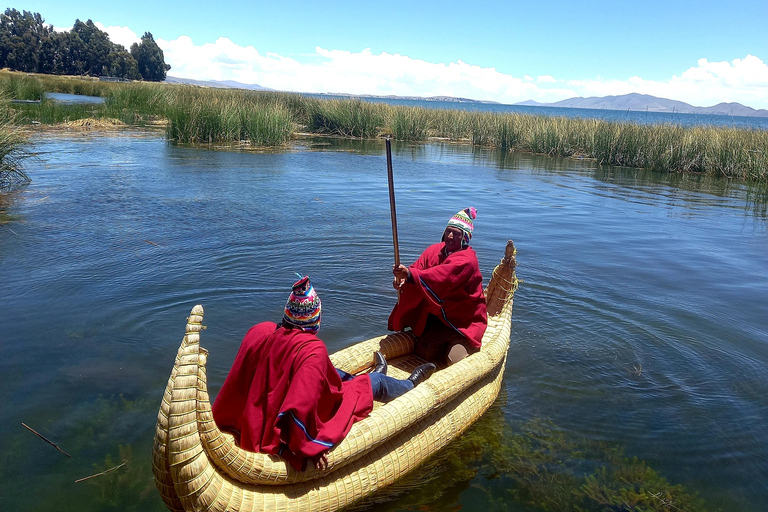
<point>73,99</point>
<point>640,329</point>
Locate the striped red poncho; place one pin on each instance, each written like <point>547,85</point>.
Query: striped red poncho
<point>283,396</point>
<point>448,287</point>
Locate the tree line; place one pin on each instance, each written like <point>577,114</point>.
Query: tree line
<point>28,44</point>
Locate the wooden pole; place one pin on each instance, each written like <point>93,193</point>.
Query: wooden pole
<point>392,209</point>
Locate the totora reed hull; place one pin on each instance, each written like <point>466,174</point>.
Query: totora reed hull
<point>199,468</point>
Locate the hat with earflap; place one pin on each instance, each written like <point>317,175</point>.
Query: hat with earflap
<point>464,221</point>
<point>303,308</point>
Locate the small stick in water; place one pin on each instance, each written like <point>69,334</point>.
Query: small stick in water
<point>153,243</point>
<point>103,472</point>
<point>46,440</point>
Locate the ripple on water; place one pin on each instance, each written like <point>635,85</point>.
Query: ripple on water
<point>639,323</point>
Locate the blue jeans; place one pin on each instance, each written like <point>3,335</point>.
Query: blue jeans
<point>385,388</point>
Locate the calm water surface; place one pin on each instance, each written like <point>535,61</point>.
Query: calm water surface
<point>640,326</point>
<point>62,97</point>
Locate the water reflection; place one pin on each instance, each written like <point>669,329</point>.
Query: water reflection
<point>703,186</point>
<point>640,323</point>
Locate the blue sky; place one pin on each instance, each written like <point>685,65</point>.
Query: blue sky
<point>700,52</point>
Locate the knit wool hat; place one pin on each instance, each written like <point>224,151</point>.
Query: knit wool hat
<point>463,220</point>
<point>303,307</point>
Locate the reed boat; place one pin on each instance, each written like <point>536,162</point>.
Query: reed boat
<point>197,467</point>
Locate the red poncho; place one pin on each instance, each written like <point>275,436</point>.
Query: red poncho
<point>283,395</point>
<point>449,287</point>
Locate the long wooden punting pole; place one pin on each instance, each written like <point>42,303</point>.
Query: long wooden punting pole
<point>392,209</point>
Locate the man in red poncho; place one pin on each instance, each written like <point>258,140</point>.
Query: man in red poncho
<point>283,395</point>
<point>441,296</point>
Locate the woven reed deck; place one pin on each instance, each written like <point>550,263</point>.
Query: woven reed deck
<point>199,468</point>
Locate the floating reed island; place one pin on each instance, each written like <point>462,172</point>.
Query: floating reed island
<point>195,115</point>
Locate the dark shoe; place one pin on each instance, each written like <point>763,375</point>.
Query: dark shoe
<point>422,373</point>
<point>379,363</point>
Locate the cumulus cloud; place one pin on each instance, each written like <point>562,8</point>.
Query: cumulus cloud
<point>346,72</point>
<point>708,83</point>
<point>744,80</point>
<point>120,35</point>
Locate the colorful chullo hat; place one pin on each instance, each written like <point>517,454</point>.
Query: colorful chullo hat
<point>464,221</point>
<point>303,307</point>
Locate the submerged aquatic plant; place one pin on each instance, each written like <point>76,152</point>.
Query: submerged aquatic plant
<point>552,472</point>
<point>534,467</point>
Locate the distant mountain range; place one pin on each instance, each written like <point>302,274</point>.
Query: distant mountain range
<point>633,101</point>
<point>231,84</point>
<point>448,99</point>
<point>225,84</point>
<point>645,102</point>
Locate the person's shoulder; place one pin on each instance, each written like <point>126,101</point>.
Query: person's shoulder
<point>310,345</point>
<point>261,330</point>
<point>263,327</point>
<point>434,248</point>
<point>466,255</point>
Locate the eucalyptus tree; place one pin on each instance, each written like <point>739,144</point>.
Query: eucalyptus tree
<point>150,59</point>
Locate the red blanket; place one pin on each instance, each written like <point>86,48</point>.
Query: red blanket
<point>449,287</point>
<point>283,395</point>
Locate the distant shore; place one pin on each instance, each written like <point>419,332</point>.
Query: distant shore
<point>259,119</point>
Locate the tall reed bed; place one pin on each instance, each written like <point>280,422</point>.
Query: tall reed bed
<point>138,102</point>
<point>20,87</point>
<point>349,118</point>
<point>228,117</point>
<point>50,112</point>
<point>731,152</point>
<point>12,151</point>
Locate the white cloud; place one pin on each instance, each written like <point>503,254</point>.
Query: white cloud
<point>120,35</point>
<point>742,80</point>
<point>345,72</point>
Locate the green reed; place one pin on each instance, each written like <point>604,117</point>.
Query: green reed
<point>50,112</point>
<point>227,117</point>
<point>258,118</point>
<point>146,99</point>
<point>348,118</point>
<point>722,151</point>
<point>20,87</point>
<point>409,123</point>
<point>12,149</point>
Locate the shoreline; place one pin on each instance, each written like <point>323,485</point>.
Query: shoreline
<point>257,120</point>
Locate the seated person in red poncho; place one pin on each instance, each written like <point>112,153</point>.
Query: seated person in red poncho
<point>441,296</point>
<point>283,396</point>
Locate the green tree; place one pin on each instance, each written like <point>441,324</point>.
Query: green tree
<point>122,64</point>
<point>28,44</point>
<point>96,48</point>
<point>149,58</point>
<point>21,37</point>
<point>52,57</point>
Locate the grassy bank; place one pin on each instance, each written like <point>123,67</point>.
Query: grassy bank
<point>259,119</point>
